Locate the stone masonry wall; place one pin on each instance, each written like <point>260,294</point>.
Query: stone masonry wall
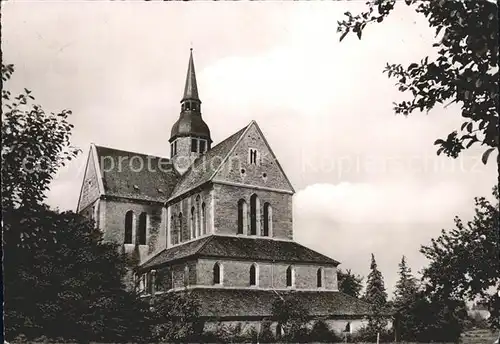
<point>237,274</point>
<point>114,224</point>
<point>265,172</point>
<point>184,207</point>
<point>90,186</point>
<point>226,209</point>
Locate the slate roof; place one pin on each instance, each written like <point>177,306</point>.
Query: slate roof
<point>241,248</point>
<point>222,302</point>
<point>123,177</point>
<point>205,166</point>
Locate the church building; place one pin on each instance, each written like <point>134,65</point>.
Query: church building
<point>215,219</point>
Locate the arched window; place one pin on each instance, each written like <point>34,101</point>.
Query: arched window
<point>179,230</point>
<point>198,215</point>
<point>217,273</point>
<point>173,235</point>
<point>141,233</point>
<point>268,220</point>
<point>254,275</point>
<point>254,215</point>
<point>192,223</point>
<point>129,222</point>
<point>186,276</point>
<point>242,216</point>
<point>319,278</point>
<point>290,276</point>
<point>203,219</point>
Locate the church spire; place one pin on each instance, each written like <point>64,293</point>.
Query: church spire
<point>191,88</point>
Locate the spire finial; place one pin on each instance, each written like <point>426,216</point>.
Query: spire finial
<point>191,88</point>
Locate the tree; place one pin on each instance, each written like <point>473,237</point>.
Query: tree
<point>177,317</point>
<point>405,296</point>
<point>350,283</point>
<point>406,286</point>
<point>464,261</point>
<point>376,296</point>
<point>34,145</point>
<point>465,70</point>
<point>291,315</point>
<point>71,287</point>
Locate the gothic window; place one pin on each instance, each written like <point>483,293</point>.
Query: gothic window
<point>242,216</point>
<point>179,230</point>
<point>254,215</point>
<point>173,235</point>
<point>290,276</point>
<point>217,273</point>
<point>319,278</point>
<point>268,220</point>
<point>202,146</point>
<point>141,233</point>
<point>203,219</point>
<point>192,223</point>
<point>129,222</point>
<point>186,276</point>
<point>254,275</point>
<point>198,215</point>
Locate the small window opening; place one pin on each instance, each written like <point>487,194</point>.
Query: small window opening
<point>194,145</point>
<point>202,146</point>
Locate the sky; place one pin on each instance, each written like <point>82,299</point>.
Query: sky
<point>366,180</point>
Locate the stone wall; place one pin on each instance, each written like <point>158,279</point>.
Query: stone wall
<point>237,274</point>
<point>90,185</point>
<point>184,207</point>
<point>113,223</point>
<point>226,209</point>
<point>264,172</point>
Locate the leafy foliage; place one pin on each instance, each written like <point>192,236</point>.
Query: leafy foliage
<point>464,261</point>
<point>176,317</point>
<point>349,283</point>
<point>70,287</point>
<point>376,296</point>
<point>291,315</point>
<point>465,70</point>
<point>34,145</point>
<point>321,333</point>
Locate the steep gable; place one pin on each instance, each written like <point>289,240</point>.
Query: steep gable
<point>91,188</point>
<point>135,175</point>
<point>261,169</point>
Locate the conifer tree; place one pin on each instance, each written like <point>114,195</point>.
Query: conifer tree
<point>405,298</point>
<point>406,286</point>
<point>376,295</point>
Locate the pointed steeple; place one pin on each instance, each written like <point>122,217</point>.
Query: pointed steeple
<point>191,88</point>
<point>190,135</point>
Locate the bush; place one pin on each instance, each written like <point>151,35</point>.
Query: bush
<point>365,334</point>
<point>266,334</point>
<point>320,332</point>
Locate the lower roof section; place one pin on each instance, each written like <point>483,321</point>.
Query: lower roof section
<point>239,248</point>
<point>222,303</point>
